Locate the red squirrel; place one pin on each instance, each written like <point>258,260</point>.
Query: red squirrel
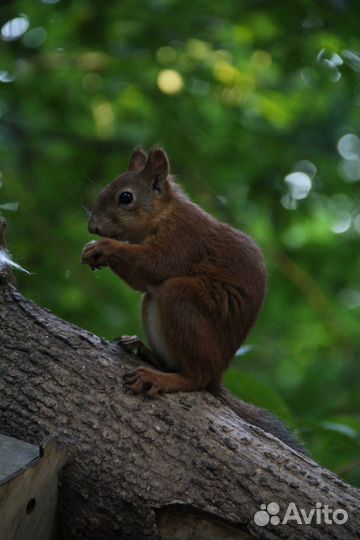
<point>204,281</point>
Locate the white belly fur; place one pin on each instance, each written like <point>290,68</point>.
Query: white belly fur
<point>154,333</point>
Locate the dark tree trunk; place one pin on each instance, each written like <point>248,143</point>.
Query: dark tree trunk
<point>179,466</point>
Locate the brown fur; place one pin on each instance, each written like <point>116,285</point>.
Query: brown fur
<point>204,282</point>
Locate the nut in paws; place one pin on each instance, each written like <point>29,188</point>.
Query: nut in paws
<point>93,254</point>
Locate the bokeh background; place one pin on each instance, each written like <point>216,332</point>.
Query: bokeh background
<point>256,103</point>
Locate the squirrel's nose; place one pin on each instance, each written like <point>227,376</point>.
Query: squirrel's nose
<point>93,228</point>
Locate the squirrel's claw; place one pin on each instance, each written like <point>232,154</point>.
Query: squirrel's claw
<point>143,380</point>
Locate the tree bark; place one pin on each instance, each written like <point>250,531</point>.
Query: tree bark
<point>179,466</point>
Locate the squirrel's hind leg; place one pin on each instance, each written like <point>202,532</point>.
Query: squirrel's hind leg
<point>152,382</point>
<point>191,325</point>
<point>190,337</point>
<point>191,333</point>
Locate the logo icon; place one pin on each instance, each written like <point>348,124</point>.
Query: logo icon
<point>262,516</point>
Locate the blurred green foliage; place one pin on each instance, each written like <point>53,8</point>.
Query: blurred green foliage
<point>255,103</point>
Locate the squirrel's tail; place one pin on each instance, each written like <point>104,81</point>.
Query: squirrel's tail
<point>261,418</point>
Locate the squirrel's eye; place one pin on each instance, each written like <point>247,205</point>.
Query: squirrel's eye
<point>126,197</point>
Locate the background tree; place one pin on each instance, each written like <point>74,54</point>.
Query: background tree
<point>255,104</point>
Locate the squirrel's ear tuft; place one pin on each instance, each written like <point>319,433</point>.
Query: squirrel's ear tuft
<point>137,160</point>
<point>157,167</point>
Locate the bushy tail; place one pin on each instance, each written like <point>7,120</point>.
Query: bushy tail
<point>261,418</point>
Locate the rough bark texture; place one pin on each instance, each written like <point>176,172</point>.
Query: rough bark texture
<point>180,466</point>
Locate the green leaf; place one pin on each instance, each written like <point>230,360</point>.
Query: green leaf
<point>345,424</point>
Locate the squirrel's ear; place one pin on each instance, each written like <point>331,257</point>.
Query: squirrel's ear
<point>137,160</point>
<point>157,167</point>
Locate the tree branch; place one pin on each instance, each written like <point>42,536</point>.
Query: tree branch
<point>180,466</point>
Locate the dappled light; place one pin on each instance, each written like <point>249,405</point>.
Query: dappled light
<point>14,28</point>
<point>170,81</point>
<point>299,184</point>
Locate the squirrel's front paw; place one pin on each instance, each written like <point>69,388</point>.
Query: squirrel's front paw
<point>94,255</point>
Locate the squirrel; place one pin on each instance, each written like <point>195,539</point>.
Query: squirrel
<point>204,283</point>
